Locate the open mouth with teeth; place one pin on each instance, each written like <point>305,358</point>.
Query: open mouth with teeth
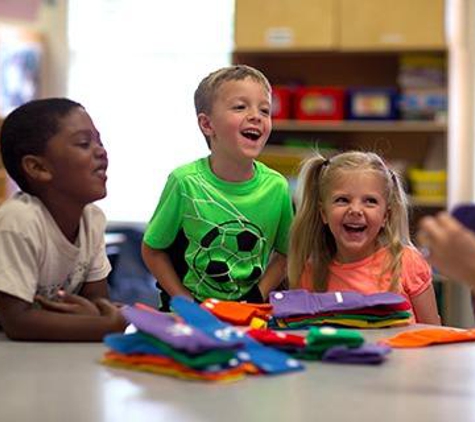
<point>355,228</point>
<point>251,134</point>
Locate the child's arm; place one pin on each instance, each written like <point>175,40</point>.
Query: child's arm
<point>23,321</point>
<point>274,274</point>
<point>425,307</point>
<point>95,290</point>
<point>82,303</point>
<point>159,264</point>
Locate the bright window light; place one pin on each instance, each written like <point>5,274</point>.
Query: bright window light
<point>135,65</point>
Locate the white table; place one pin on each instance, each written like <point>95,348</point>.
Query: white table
<point>64,382</point>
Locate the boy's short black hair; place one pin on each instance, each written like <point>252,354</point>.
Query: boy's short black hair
<point>27,130</point>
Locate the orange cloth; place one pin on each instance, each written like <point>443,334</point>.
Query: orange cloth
<point>429,336</point>
<point>237,313</point>
<point>365,276</point>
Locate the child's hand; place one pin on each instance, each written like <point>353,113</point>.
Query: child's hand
<point>68,304</point>
<point>112,312</point>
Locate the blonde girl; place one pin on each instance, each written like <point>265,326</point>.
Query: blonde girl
<point>351,233</point>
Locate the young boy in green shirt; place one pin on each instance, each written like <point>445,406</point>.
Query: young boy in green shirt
<point>220,229</point>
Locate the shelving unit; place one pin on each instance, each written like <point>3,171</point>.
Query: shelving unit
<point>345,43</point>
<point>400,126</point>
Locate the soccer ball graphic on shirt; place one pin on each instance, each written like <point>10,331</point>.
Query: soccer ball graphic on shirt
<point>229,255</point>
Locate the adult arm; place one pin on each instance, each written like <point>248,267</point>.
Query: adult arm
<point>23,321</point>
<point>450,246</point>
<point>159,264</point>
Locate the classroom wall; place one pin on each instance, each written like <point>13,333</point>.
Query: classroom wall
<point>50,19</point>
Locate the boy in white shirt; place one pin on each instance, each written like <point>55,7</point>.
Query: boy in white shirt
<point>53,265</point>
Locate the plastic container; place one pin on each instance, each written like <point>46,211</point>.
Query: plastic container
<point>428,184</point>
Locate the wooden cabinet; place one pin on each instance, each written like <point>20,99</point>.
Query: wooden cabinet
<point>364,25</point>
<point>285,24</point>
<point>388,24</point>
<point>345,43</point>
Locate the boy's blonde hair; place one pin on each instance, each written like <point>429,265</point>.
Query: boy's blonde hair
<point>311,239</point>
<point>207,90</point>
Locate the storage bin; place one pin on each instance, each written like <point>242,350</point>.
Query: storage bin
<point>281,102</point>
<point>429,184</point>
<point>319,103</point>
<point>372,104</point>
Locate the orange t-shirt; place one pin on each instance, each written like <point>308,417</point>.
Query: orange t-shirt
<point>365,276</point>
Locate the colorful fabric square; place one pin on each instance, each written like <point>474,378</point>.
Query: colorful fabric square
<point>320,339</point>
<point>300,302</point>
<point>145,344</point>
<point>345,322</point>
<point>267,359</point>
<point>429,336</point>
<point>174,332</point>
<point>277,339</point>
<point>364,354</point>
<point>237,313</point>
<point>167,366</point>
<point>356,314</point>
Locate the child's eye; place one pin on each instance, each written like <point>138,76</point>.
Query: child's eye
<point>340,200</point>
<point>265,111</point>
<point>84,143</point>
<point>239,107</point>
<point>371,201</point>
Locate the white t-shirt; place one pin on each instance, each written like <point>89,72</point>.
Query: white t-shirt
<point>36,257</point>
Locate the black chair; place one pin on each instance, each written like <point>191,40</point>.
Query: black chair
<point>129,281</point>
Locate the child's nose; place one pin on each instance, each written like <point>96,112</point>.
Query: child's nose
<point>254,115</point>
<point>100,151</point>
<point>355,209</point>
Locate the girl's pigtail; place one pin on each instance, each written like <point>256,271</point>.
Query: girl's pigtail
<point>307,222</point>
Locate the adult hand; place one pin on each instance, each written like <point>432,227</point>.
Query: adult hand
<point>69,304</point>
<point>450,247</point>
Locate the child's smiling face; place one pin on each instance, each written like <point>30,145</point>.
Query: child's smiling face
<point>76,159</point>
<point>356,211</point>
<point>240,122</point>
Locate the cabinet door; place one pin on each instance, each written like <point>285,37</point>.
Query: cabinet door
<point>262,25</point>
<point>389,24</point>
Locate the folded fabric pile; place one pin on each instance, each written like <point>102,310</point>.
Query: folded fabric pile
<point>301,309</point>
<point>429,336</point>
<point>193,345</point>
<point>321,343</point>
<point>328,344</point>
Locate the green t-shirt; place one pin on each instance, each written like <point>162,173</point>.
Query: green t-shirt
<point>220,234</point>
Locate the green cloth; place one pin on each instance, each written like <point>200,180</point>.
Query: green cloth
<point>198,361</point>
<point>319,339</point>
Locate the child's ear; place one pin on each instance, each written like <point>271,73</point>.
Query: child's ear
<point>35,168</point>
<point>386,216</point>
<point>205,124</point>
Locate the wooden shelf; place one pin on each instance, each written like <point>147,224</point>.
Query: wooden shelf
<point>360,126</point>
<point>428,202</point>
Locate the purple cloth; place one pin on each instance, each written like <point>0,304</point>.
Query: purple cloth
<point>177,334</point>
<point>302,302</point>
<point>366,353</point>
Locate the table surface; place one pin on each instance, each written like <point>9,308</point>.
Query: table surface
<point>65,382</point>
